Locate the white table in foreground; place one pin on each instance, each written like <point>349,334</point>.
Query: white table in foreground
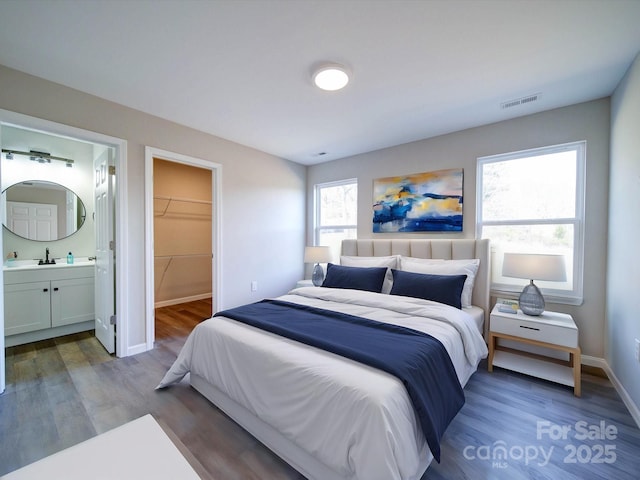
<point>136,450</point>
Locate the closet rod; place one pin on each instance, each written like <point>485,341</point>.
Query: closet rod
<point>180,199</point>
<point>171,257</point>
<point>186,255</point>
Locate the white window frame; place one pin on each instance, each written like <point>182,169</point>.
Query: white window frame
<point>316,217</point>
<point>570,297</point>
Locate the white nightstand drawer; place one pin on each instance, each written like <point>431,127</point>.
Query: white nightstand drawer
<point>542,329</point>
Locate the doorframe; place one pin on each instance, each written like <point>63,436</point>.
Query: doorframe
<point>216,230</point>
<point>122,263</point>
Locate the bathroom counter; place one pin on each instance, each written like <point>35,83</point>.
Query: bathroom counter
<point>11,265</point>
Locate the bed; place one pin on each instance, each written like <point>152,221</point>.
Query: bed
<point>331,417</point>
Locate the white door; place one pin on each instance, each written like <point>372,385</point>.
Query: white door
<point>105,307</point>
<point>36,221</point>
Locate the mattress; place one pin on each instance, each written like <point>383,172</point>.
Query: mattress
<point>356,420</point>
<point>478,317</point>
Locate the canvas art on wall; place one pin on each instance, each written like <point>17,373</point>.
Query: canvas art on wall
<point>421,202</point>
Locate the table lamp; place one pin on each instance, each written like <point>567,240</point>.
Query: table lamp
<point>317,255</point>
<point>534,267</point>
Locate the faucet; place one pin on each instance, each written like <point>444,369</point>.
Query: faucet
<point>47,261</point>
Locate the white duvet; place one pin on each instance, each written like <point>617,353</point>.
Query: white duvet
<point>355,419</point>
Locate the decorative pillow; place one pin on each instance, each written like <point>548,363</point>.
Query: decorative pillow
<point>389,262</point>
<point>468,267</point>
<point>445,289</point>
<point>357,278</point>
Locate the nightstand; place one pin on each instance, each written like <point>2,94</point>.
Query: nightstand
<point>304,283</point>
<point>551,330</point>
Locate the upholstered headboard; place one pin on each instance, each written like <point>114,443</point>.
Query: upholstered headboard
<point>450,249</point>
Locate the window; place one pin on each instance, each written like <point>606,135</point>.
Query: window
<point>533,202</point>
<point>336,213</point>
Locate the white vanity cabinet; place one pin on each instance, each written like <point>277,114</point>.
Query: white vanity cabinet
<point>27,307</point>
<point>46,302</point>
<point>72,300</point>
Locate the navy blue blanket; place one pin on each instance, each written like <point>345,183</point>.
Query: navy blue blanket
<point>419,360</point>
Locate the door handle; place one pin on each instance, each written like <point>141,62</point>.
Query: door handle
<point>530,328</point>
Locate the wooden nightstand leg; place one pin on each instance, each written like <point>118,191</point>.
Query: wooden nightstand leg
<point>577,372</point>
<point>492,341</point>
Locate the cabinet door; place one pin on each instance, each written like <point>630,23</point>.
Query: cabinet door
<point>72,301</point>
<point>26,307</point>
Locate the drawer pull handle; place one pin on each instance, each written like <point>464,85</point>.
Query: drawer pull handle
<point>55,289</point>
<point>530,328</point>
<point>45,289</point>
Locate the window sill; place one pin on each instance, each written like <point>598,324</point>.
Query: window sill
<point>555,297</point>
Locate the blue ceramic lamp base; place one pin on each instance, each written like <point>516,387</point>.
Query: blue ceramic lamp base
<point>317,277</point>
<point>531,300</point>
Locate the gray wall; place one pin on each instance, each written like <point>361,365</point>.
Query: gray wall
<point>586,121</point>
<point>263,196</point>
<point>623,275</point>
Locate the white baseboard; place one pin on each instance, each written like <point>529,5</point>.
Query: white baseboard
<point>176,301</point>
<point>595,362</point>
<point>626,398</point>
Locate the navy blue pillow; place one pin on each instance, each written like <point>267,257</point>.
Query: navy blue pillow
<point>439,288</point>
<point>357,278</point>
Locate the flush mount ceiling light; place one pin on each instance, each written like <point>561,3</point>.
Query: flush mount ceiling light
<point>331,77</point>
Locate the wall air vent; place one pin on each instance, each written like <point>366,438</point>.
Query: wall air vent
<point>521,101</point>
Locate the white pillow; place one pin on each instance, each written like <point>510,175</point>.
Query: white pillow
<point>389,262</point>
<point>468,267</point>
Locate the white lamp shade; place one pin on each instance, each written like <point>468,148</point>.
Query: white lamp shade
<point>534,266</point>
<point>317,254</point>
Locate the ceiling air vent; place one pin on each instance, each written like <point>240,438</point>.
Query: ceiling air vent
<point>520,101</point>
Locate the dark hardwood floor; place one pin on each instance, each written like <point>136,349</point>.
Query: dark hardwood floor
<point>177,321</point>
<point>61,392</point>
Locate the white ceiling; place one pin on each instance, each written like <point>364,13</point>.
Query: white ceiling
<point>241,69</point>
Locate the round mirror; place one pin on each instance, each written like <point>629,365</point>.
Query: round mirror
<point>43,211</point>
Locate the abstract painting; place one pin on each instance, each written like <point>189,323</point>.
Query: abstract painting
<point>420,202</point>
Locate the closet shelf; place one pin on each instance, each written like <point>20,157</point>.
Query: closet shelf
<point>172,257</point>
<point>166,209</point>
<point>185,255</point>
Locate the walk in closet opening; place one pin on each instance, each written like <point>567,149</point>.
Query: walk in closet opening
<point>182,210</point>
<point>182,242</point>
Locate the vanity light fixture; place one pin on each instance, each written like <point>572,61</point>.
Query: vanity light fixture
<point>40,157</point>
<point>37,156</point>
<point>331,77</point>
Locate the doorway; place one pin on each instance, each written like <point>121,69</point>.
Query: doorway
<point>183,232</point>
<point>95,142</point>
